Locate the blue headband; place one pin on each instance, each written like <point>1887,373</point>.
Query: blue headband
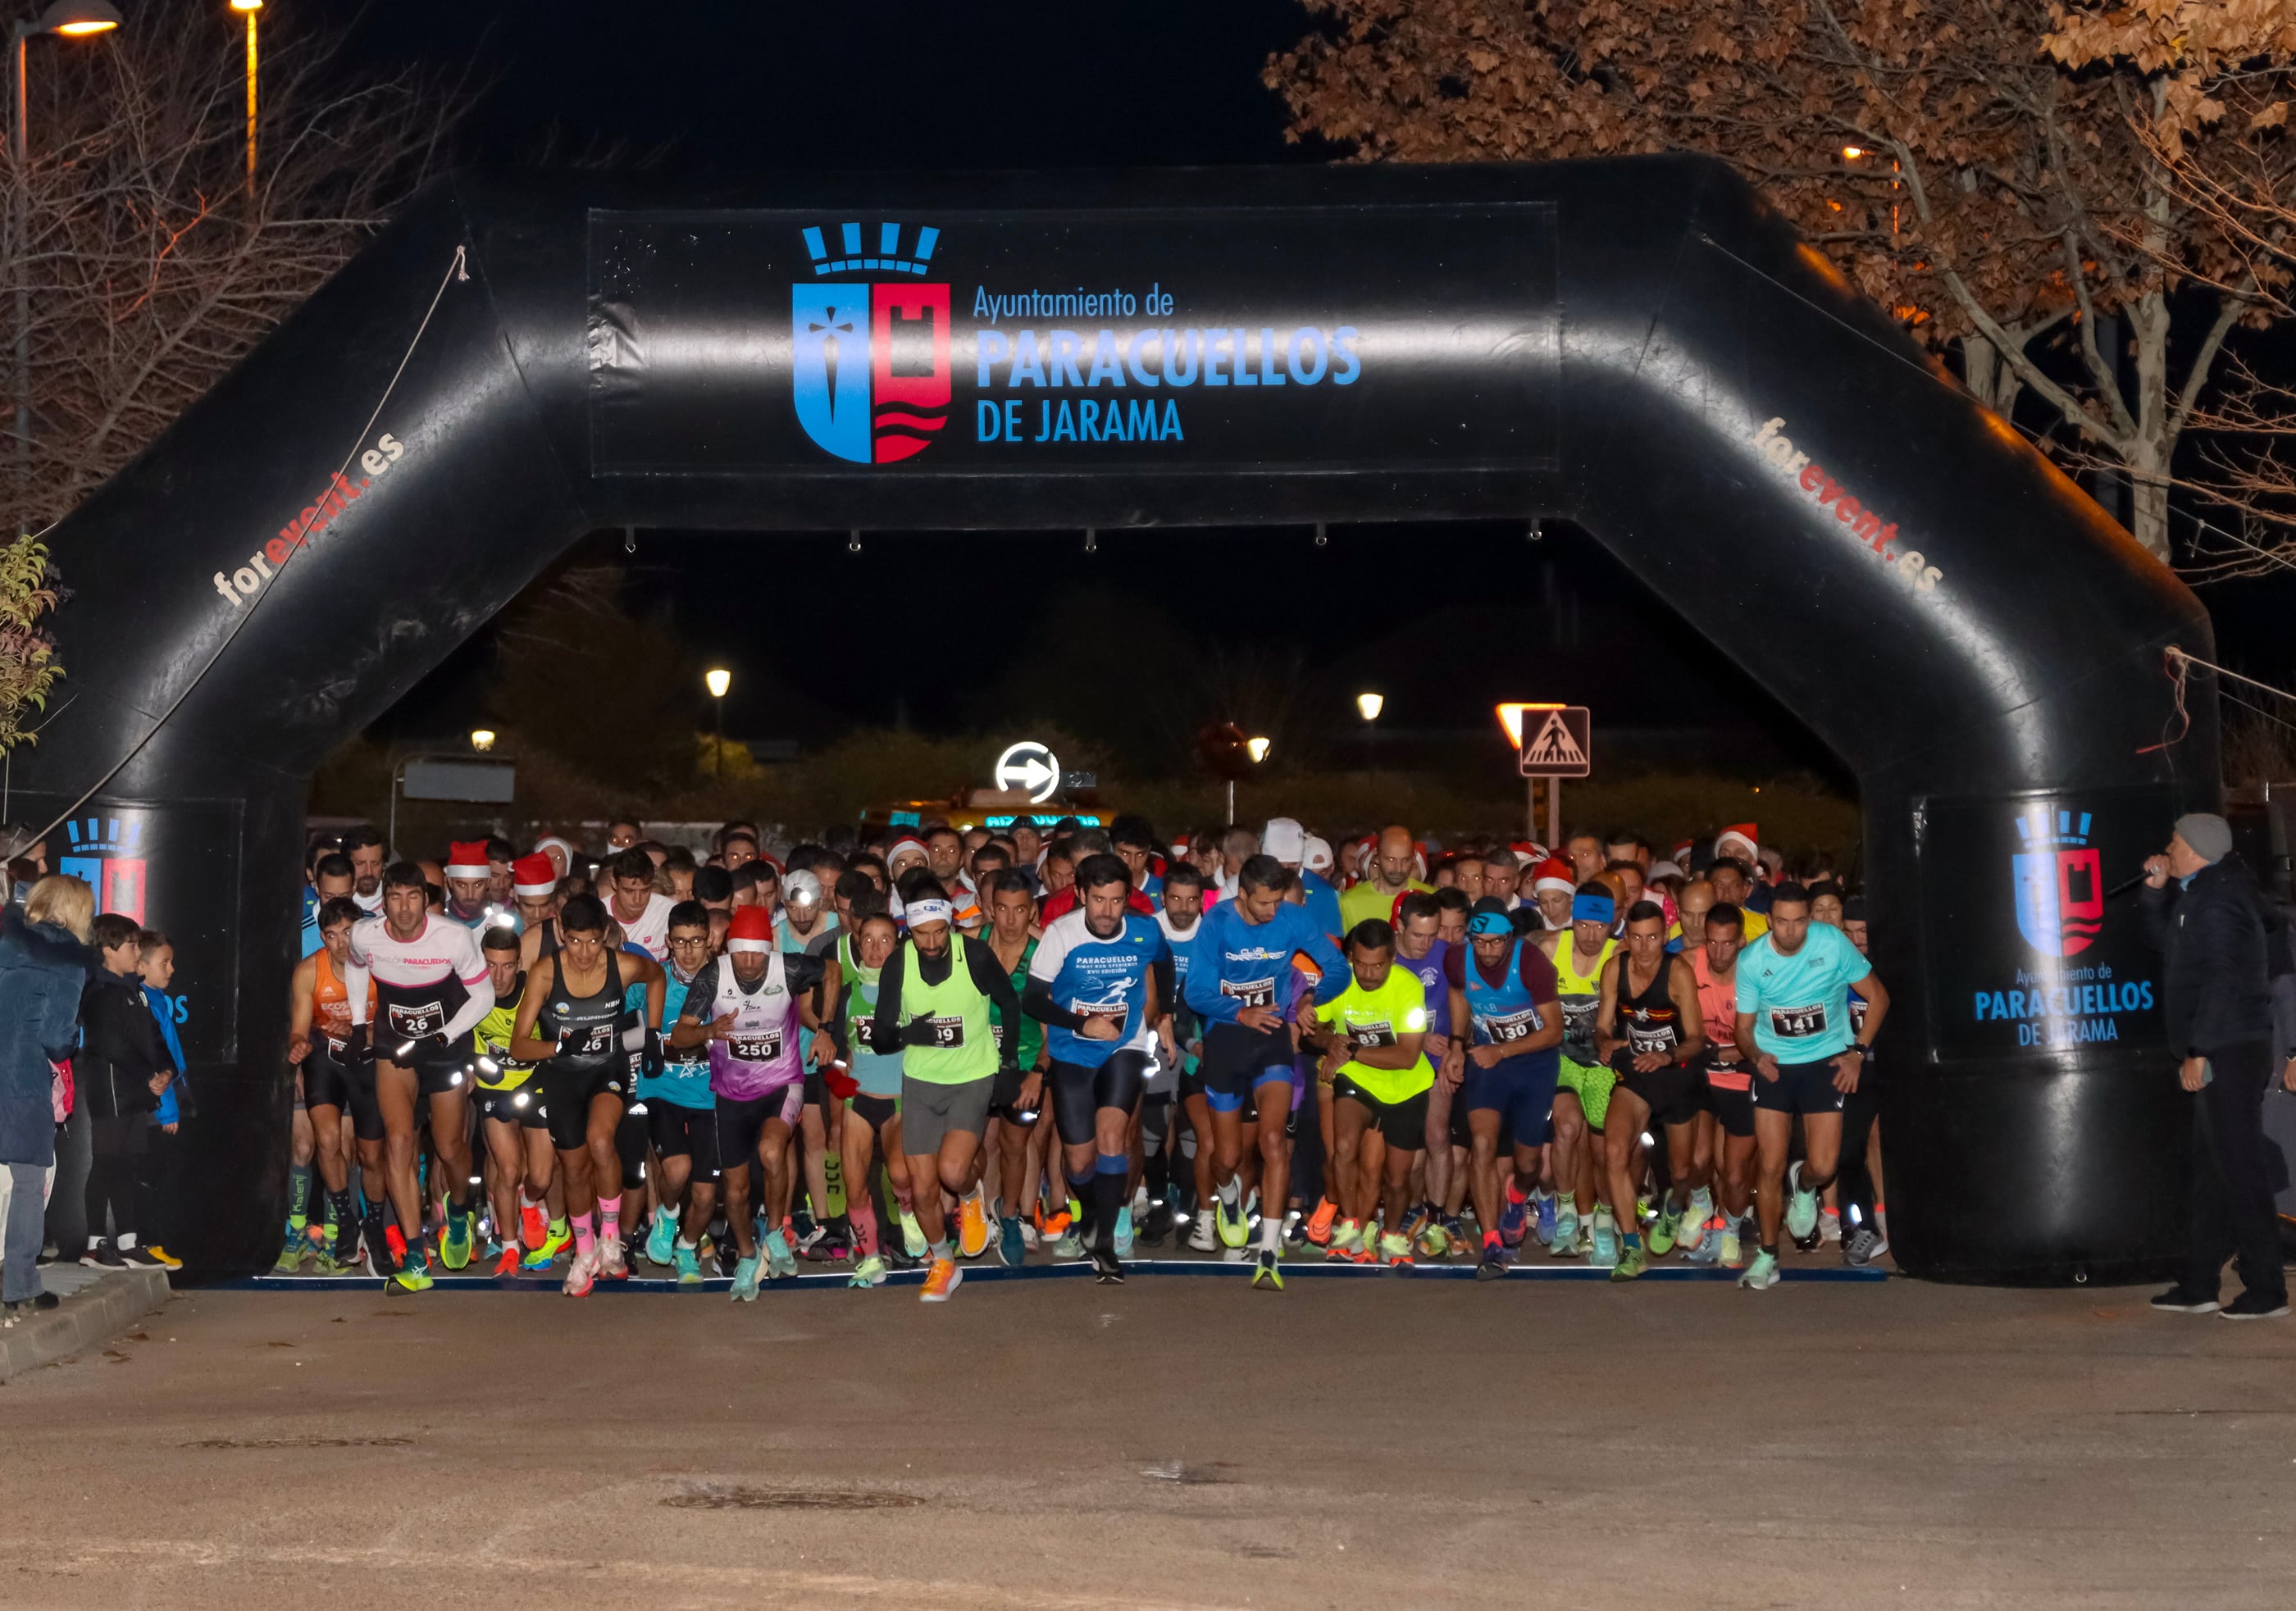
<point>1490,922</point>
<point>1594,909</point>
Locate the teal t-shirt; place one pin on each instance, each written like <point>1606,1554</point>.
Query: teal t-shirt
<point>1801,1003</point>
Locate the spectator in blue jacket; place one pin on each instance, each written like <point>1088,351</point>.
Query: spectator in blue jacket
<point>43,964</point>
<point>163,1159</point>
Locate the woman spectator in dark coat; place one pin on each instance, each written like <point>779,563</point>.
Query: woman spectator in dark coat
<point>44,965</point>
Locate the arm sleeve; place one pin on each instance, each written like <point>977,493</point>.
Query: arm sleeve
<point>1212,1004</point>
<point>1160,967</point>
<point>701,996</point>
<point>1455,968</point>
<point>885,1029</point>
<point>357,985</point>
<point>1038,1003</point>
<point>481,989</point>
<point>994,983</point>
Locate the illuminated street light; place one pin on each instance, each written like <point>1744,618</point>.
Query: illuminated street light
<point>1370,704</point>
<point>251,7</point>
<point>717,679</point>
<point>1853,152</point>
<point>482,738</point>
<point>1256,748</point>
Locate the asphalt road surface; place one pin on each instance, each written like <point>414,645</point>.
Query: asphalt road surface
<point>1178,1441</point>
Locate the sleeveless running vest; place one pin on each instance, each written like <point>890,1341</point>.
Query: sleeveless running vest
<point>963,1046</point>
<point>762,1054</point>
<point>878,1072</point>
<point>588,1028</point>
<point>1648,1018</point>
<point>1504,1012</point>
<point>330,1008</point>
<point>1581,994</point>
<point>491,1041</point>
<point>1717,1002</point>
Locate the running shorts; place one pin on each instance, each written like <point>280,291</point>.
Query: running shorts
<point>678,1131</point>
<point>1591,1083</point>
<point>1520,1089</point>
<point>929,1112</point>
<point>1462,1132</point>
<point>523,1107</point>
<point>1800,1088</point>
<point>349,1086</point>
<point>1729,1094</point>
<point>874,1111</point>
<point>1078,1093</point>
<point>741,1120</point>
<point>1163,1078</point>
<point>568,1087</point>
<point>1238,1061</point>
<point>1402,1125</point>
<point>1671,1093</point>
<point>438,1068</point>
<point>817,1092</point>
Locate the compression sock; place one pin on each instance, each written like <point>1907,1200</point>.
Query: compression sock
<point>345,1216</point>
<point>299,1196</point>
<point>609,1219</point>
<point>832,1176</point>
<point>585,1238</point>
<point>1515,1195</point>
<point>1111,1173</point>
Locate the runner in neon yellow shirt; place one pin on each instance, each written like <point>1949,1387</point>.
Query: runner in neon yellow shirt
<point>1370,1034</point>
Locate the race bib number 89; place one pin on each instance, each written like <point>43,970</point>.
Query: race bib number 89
<point>1370,1037</point>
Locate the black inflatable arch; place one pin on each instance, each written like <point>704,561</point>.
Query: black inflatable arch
<point>1638,346</point>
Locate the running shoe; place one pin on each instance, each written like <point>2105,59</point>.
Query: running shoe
<point>1319,1224</point>
<point>1012,1248</point>
<point>1605,1254</point>
<point>1159,1224</point>
<point>1762,1273</point>
<point>1123,1234</point>
<point>1829,1225</point>
<point>805,1233</point>
<point>1494,1263</point>
<point>1058,1221</point>
<point>1705,1250</point>
<point>555,1239</point>
<point>745,1281</point>
<point>1665,1231</point>
<point>1068,1245</point>
<point>414,1275</point>
<point>1433,1241</point>
<point>1395,1251</point>
<point>162,1258</point>
<point>532,1226</point>
<point>1295,1232</point>
<point>1644,1213</point>
<point>869,1272</point>
<point>381,1259</point>
<point>1029,1240</point>
<point>1566,1223</point>
<point>1862,1246</point>
<point>508,1264</point>
<point>454,1240</point>
<point>1200,1233</point>
<point>336,1257</point>
<point>779,1260</point>
<point>1573,1246</point>
<point>913,1235</point>
<point>973,1225</point>
<point>1545,1227</point>
<point>607,1260</point>
<point>1513,1215</point>
<point>1630,1263</point>
<point>1801,1207</point>
<point>1232,1224</point>
<point>1267,1272</point>
<point>945,1277</point>
<point>1733,1246</point>
<point>1696,1219</point>
<point>1107,1269</point>
<point>140,1258</point>
<point>291,1257</point>
<point>689,1265</point>
<point>1346,1238</point>
<point>661,1239</point>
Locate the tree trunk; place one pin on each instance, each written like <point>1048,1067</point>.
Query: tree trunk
<point>1990,377</point>
<point>2148,449</point>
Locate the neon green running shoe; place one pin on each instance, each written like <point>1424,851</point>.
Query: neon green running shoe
<point>869,1272</point>
<point>1630,1263</point>
<point>1801,1208</point>
<point>912,1236</point>
<point>1233,1227</point>
<point>1267,1272</point>
<point>1663,1232</point>
<point>414,1276</point>
<point>689,1265</point>
<point>454,1240</point>
<point>1762,1274</point>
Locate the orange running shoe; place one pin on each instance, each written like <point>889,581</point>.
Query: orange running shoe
<point>1057,1225</point>
<point>509,1263</point>
<point>971,1225</point>
<point>944,1278</point>
<point>533,1229</point>
<point>1319,1224</point>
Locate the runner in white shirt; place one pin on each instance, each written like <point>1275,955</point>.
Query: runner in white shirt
<point>642,911</point>
<point>431,987</point>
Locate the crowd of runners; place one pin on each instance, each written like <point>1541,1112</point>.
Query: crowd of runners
<point>937,1045</point>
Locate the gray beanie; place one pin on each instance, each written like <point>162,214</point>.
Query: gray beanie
<point>2208,834</point>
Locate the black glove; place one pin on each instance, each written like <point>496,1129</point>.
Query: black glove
<point>361,1046</point>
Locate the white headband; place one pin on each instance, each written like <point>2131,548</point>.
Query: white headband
<point>535,892</point>
<point>750,947</point>
<point>921,913</point>
<point>464,870</point>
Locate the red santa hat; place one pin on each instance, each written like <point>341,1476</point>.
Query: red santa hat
<point>534,876</point>
<point>468,860</point>
<point>751,930</point>
<point>1553,873</point>
<point>1741,834</point>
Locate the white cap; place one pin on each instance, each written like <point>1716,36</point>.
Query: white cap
<point>1284,839</point>
<point>1665,870</point>
<point>1317,856</point>
<point>801,889</point>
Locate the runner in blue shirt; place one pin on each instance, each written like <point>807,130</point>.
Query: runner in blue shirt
<point>1242,958</point>
<point>1093,982</point>
<point>1793,985</point>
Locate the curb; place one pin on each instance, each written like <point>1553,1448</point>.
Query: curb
<point>89,1318</point>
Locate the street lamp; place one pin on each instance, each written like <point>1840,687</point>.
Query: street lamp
<point>1371,705</point>
<point>73,19</point>
<point>1256,748</point>
<point>482,738</point>
<point>251,7</point>
<point>718,680</point>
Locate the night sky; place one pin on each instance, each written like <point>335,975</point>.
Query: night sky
<point>735,86</point>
